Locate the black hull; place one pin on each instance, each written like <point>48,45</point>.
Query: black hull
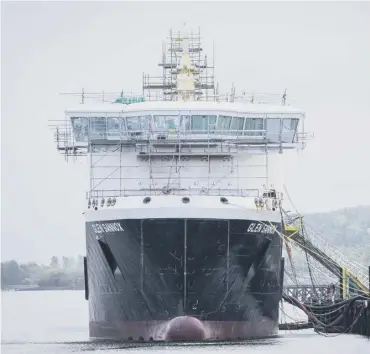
<point>183,279</point>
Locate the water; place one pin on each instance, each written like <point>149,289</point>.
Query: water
<point>55,322</point>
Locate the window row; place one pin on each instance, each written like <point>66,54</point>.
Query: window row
<point>103,127</point>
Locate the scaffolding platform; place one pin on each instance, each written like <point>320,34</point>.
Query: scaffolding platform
<point>164,87</point>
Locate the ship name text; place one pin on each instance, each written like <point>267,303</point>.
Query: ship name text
<point>261,228</point>
<point>107,227</point>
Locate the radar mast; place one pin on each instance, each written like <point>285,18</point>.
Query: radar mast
<point>187,73</point>
<point>185,76</point>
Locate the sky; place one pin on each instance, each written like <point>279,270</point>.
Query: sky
<point>320,52</point>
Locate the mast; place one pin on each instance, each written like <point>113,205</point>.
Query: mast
<point>185,77</point>
<point>179,66</point>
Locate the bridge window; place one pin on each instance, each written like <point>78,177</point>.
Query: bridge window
<point>273,129</point>
<point>165,123</point>
<point>133,123</point>
<point>252,124</point>
<point>201,123</point>
<point>185,122</point>
<point>138,123</point>
<point>290,124</point>
<point>98,127</point>
<point>145,122</point>
<point>223,123</point>
<point>123,123</point>
<point>113,127</point>
<point>237,125</point>
<point>288,130</point>
<point>80,129</point>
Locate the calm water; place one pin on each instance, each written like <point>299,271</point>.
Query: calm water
<point>56,322</point>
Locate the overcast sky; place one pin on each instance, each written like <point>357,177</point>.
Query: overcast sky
<point>320,52</point>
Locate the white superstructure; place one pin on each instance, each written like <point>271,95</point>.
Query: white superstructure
<point>189,143</point>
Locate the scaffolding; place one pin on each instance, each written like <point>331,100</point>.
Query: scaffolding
<point>164,87</point>
<point>146,160</point>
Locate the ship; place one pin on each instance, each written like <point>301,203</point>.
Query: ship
<point>183,211</point>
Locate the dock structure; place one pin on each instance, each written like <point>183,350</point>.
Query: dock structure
<point>310,293</point>
<point>343,307</point>
<point>353,278</point>
<point>327,311</point>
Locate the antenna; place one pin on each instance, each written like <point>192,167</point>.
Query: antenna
<point>284,98</point>
<point>232,95</point>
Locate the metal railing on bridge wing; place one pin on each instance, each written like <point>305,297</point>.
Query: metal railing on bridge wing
<point>66,137</point>
<point>98,194</point>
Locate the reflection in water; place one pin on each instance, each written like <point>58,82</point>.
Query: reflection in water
<point>55,322</point>
<point>113,346</point>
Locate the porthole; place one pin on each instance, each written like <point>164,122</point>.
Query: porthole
<point>147,200</point>
<point>185,200</point>
<point>224,200</point>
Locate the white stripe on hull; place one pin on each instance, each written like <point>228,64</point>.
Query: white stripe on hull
<point>199,207</point>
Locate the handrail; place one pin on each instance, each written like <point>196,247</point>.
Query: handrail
<point>106,193</point>
<point>171,133</point>
<point>355,272</point>
<point>247,97</point>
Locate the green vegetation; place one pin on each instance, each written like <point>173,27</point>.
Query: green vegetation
<point>348,229</point>
<point>64,273</point>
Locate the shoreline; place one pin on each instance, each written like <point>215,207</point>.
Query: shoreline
<point>42,288</point>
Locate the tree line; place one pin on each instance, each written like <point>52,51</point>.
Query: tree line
<point>60,272</point>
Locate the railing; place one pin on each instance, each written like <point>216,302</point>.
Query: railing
<point>313,293</point>
<point>64,136</point>
<point>252,98</point>
<point>351,270</point>
<point>114,193</point>
<point>172,135</point>
<point>101,97</point>
<point>245,97</point>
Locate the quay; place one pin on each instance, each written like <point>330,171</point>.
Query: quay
<point>327,311</point>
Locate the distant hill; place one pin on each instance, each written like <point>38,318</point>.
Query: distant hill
<point>348,229</point>
<point>344,227</point>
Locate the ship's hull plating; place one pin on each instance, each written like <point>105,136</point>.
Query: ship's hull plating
<point>183,279</point>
